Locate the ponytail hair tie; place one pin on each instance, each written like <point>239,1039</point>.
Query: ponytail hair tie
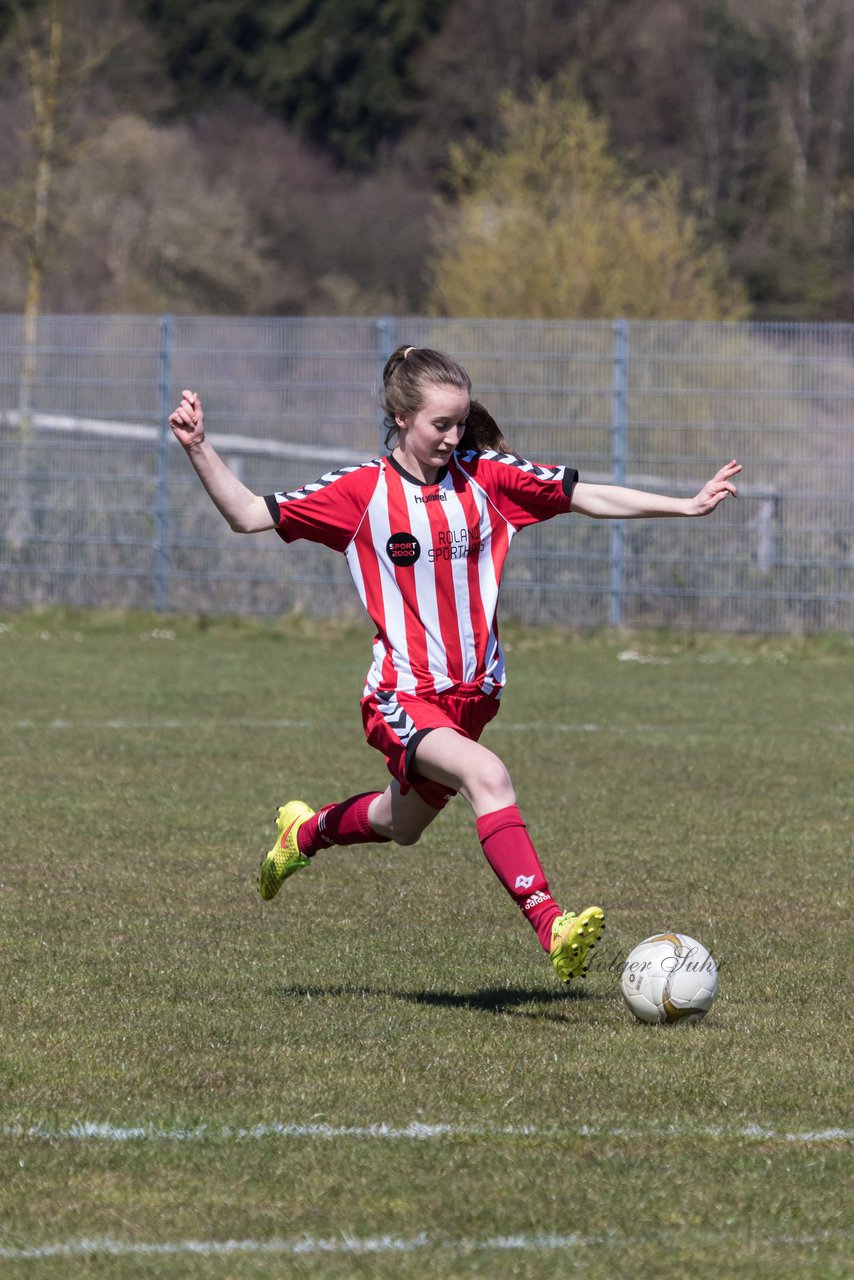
<point>407,351</point>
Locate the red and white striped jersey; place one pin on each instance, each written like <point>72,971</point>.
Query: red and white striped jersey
<point>427,559</point>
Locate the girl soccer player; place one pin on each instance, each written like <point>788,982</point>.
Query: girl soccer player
<point>425,530</point>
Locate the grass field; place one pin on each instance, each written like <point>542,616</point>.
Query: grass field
<point>378,1074</point>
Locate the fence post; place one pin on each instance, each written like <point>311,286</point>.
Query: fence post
<point>386,343</point>
<point>619,452</point>
<point>164,445</point>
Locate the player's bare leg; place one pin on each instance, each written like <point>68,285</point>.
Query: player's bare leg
<point>401,818</point>
<point>468,767</point>
<point>369,818</point>
<point>481,776</point>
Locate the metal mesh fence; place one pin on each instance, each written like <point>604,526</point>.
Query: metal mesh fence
<point>99,507</point>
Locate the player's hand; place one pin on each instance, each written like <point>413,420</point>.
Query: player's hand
<point>188,420</point>
<point>716,490</point>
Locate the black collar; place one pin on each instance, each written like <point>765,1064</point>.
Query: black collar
<point>440,474</point>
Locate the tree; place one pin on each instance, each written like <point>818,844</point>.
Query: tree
<point>337,71</point>
<point>749,102</point>
<point>812,161</point>
<point>336,242</point>
<point>152,231</point>
<point>481,51</point>
<point>55,56</point>
<point>44,63</point>
<point>552,225</point>
<point>66,68</point>
<point>230,214</point>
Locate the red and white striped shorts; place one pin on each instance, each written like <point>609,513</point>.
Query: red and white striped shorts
<point>396,722</point>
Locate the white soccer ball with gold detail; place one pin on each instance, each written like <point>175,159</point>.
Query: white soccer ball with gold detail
<point>669,977</point>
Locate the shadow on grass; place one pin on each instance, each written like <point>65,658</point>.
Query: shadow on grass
<point>495,999</point>
<point>524,1001</point>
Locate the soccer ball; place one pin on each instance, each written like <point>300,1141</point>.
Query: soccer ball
<point>669,978</point>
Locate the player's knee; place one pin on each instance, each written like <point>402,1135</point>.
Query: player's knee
<point>398,828</point>
<point>406,835</point>
<point>492,782</point>
<point>406,830</point>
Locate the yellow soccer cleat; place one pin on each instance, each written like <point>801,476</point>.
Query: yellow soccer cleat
<point>284,858</point>
<point>573,938</point>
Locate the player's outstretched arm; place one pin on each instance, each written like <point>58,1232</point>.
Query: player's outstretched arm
<point>245,511</point>
<point>612,502</point>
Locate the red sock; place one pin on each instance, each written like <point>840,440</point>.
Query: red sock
<point>514,860</point>
<point>344,823</point>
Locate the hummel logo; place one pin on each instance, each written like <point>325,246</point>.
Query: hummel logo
<point>524,882</point>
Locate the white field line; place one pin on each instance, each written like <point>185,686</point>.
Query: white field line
<point>246,722</point>
<point>145,726</point>
<point>300,1247</point>
<point>351,1246</point>
<point>93,1131</point>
